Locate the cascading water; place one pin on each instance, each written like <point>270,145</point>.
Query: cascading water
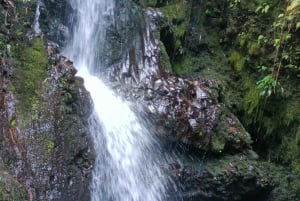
<point>36,24</point>
<point>125,167</point>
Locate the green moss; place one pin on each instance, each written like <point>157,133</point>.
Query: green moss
<point>290,150</point>
<point>10,188</point>
<point>184,65</point>
<point>151,3</point>
<point>30,71</point>
<point>253,49</point>
<point>176,11</point>
<point>217,143</point>
<point>176,20</point>
<point>237,60</point>
<point>48,147</point>
<point>241,39</point>
<point>163,57</point>
<point>251,98</point>
<point>291,112</point>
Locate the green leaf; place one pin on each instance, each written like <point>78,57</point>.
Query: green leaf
<point>269,92</point>
<point>285,57</point>
<point>262,93</point>
<point>13,122</point>
<point>298,25</point>
<point>266,8</point>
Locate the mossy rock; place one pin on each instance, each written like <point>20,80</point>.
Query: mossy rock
<point>10,188</point>
<point>229,134</point>
<point>30,71</point>
<point>232,177</point>
<point>176,16</point>
<point>163,58</point>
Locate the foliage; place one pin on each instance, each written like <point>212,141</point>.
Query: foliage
<point>251,98</point>
<point>266,37</point>
<point>184,65</point>
<point>176,20</point>
<point>285,59</point>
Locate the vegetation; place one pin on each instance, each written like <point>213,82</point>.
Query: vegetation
<point>30,72</point>
<point>260,40</point>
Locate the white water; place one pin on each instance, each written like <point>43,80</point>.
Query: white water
<point>125,167</point>
<point>36,24</point>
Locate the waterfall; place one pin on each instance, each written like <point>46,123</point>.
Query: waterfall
<point>36,24</point>
<point>126,166</point>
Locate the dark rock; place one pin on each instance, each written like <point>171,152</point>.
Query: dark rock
<point>185,110</point>
<point>44,138</point>
<point>232,177</point>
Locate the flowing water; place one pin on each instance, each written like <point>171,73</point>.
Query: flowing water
<point>36,24</point>
<point>126,167</point>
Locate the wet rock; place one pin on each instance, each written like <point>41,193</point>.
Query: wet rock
<point>53,20</point>
<point>44,138</point>
<point>186,110</point>
<point>10,188</point>
<point>232,177</point>
<point>59,135</point>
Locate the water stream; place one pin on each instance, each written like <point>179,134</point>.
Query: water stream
<point>127,166</point>
<point>36,24</point>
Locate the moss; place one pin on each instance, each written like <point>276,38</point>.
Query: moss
<point>184,65</point>
<point>163,58</point>
<point>175,11</point>
<point>176,20</point>
<point>253,48</point>
<point>237,60</point>
<point>290,150</point>
<point>48,148</point>
<point>217,143</point>
<point>29,74</point>
<point>229,134</point>
<point>291,112</point>
<point>151,3</point>
<point>10,188</point>
<point>241,39</point>
<point>251,98</point>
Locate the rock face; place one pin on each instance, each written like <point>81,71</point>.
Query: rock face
<point>44,110</point>
<point>187,111</point>
<point>10,188</point>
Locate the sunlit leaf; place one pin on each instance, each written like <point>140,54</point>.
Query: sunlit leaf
<point>298,25</point>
